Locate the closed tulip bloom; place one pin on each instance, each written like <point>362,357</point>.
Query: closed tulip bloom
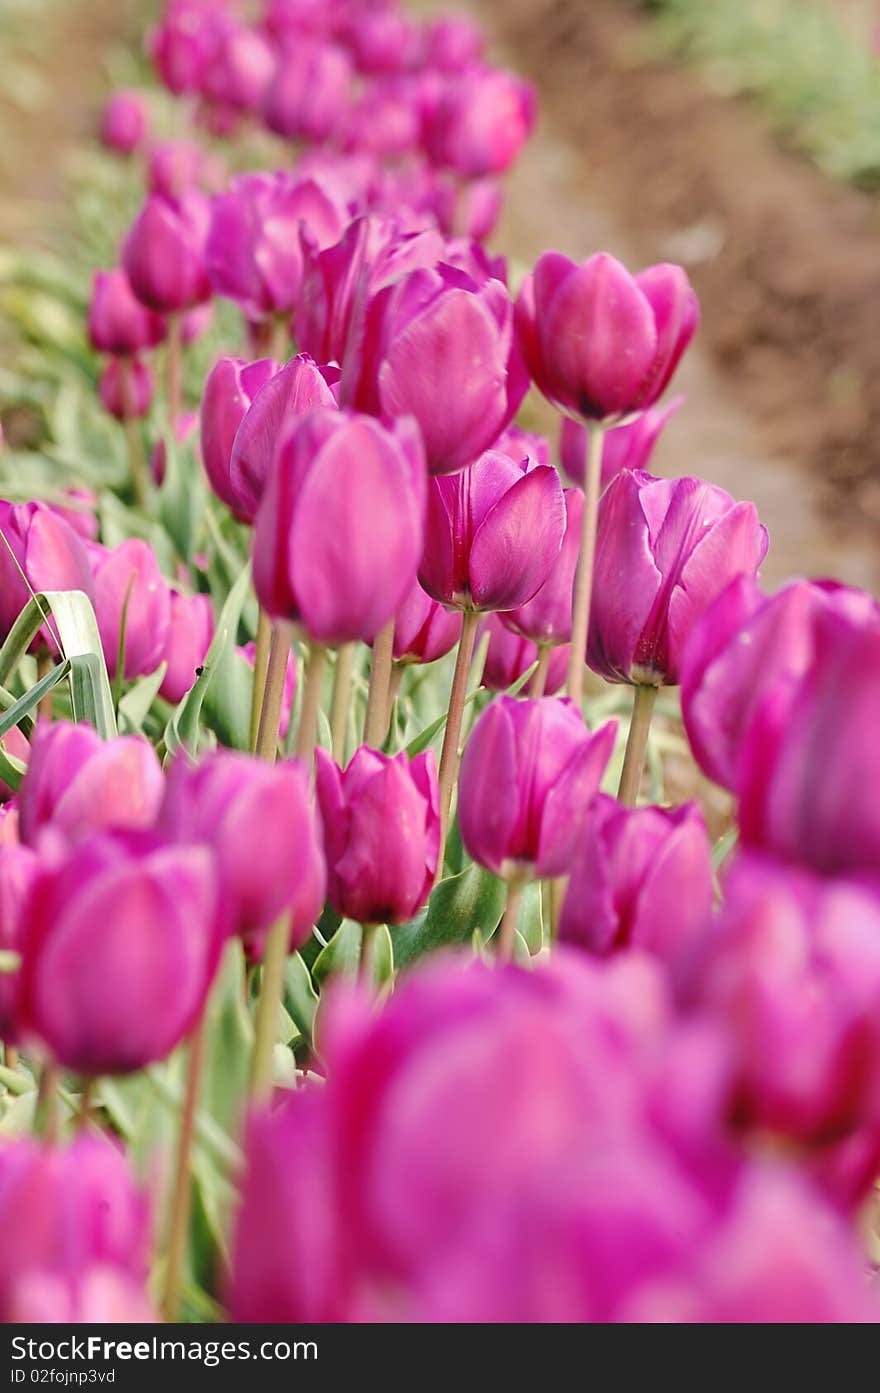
<point>423,629</point>
<point>126,388</point>
<point>546,617</point>
<point>624,447</point>
<point>809,765</point>
<point>519,445</point>
<point>257,820</point>
<point>18,870</point>
<point>439,347</point>
<point>129,587</point>
<point>174,167</point>
<point>120,945</point>
<point>275,410</point>
<point>78,783</point>
<point>308,95</point>
<point>600,343</point>
<point>190,630</point>
<point>382,41</point>
<point>124,122</point>
<point>340,527</point>
<point>454,43</point>
<point>469,209</point>
<point>642,878</point>
<point>239,69</point>
<point>253,249</point>
<point>550,766</point>
<point>385,120</point>
<point>181,45</point>
<point>746,647</point>
<point>83,1231</point>
<point>49,553</point>
<point>118,322</point>
<point>164,252</point>
<point>381,818</point>
<point>481,122</point>
<point>493,534</point>
<point>230,388</point>
<point>665,549</point>
<point>508,656</point>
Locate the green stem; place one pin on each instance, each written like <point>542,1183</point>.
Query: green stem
<point>46,1116</point>
<point>181,1199</point>
<point>507,932</point>
<point>340,701</point>
<point>307,734</point>
<point>636,744</point>
<point>261,661</point>
<point>376,720</point>
<point>538,684</point>
<point>269,1009</point>
<point>583,585</point>
<point>449,755</point>
<point>273,693</point>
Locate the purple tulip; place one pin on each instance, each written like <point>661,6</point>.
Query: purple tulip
<point>129,587</point>
<point>625,447</point>
<point>309,92</point>
<point>126,388</point>
<point>257,820</point>
<point>493,534</point>
<point>253,249</point>
<point>519,445</point>
<point>382,41</point>
<point>174,167</point>
<point>124,122</point>
<point>546,617</point>
<point>642,878</point>
<point>385,120</point>
<point>78,510</point>
<point>130,928</point>
<point>509,656</point>
<point>82,1234</point>
<point>78,784</point>
<point>230,389</point>
<point>18,870</point>
<point>550,766</point>
<point>184,427</point>
<point>277,406</point>
<point>438,346</point>
<point>118,322</point>
<point>190,630</point>
<point>164,252</point>
<point>181,45</point>
<point>810,764</point>
<point>381,821</point>
<point>470,209</point>
<point>340,527</point>
<point>423,629</point>
<point>600,343</point>
<point>664,549</point>
<point>239,69</point>
<point>480,122</point>
<point>44,547</point>
<point>249,654</point>
<point>454,43</point>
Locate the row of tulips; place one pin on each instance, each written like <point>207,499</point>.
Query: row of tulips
<point>633,1093</point>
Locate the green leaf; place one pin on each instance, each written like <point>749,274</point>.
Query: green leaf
<point>23,707</point>
<point>73,622</point>
<point>229,1042</point>
<point>134,706</point>
<point>227,708</point>
<point>12,770</point>
<point>342,954</point>
<point>183,728</point>
<point>300,997</point>
<point>530,924</point>
<point>472,900</point>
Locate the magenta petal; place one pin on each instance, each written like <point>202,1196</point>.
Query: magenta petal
<point>568,802</point>
<point>518,542</point>
<point>488,769</point>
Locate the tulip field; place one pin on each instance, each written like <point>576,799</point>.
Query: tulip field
<point>439,877</point>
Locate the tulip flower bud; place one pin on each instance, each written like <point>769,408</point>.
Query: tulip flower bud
<point>602,344</point>
<point>385,120</point>
<point>181,45</point>
<point>381,820</point>
<point>183,427</point>
<point>18,870</point>
<point>470,209</point>
<point>120,945</point>
<point>493,534</point>
<point>253,249</point>
<point>130,589</point>
<point>664,549</point>
<point>340,527</point>
<point>190,630</point>
<point>82,1234</point>
<point>118,322</point>
<point>642,878</point>
<point>308,95</point>
<point>509,656</point>
<point>44,547</point>
<point>239,69</point>
<point>257,819</point>
<point>174,167</point>
<point>549,765</point>
<point>454,43</point>
<point>546,617</point>
<point>124,122</point>
<point>423,629</point>
<point>230,388</point>
<point>480,122</point>
<point>438,346</point>
<point>126,388</point>
<point>164,252</point>
<point>624,447</point>
<point>78,784</point>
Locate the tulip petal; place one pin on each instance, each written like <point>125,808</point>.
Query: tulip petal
<point>518,542</point>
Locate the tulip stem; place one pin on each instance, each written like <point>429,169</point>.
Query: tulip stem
<point>368,952</point>
<point>378,707</point>
<point>636,744</point>
<point>583,584</point>
<point>136,458</point>
<point>269,1009</point>
<point>46,1115</point>
<point>307,734</point>
<point>181,1196</point>
<point>273,693</point>
<point>449,754</point>
<point>10,1056</point>
<point>87,1099</point>
<point>340,700</point>
<point>507,932</point>
<point>280,340</point>
<point>174,369</point>
<point>538,684</point>
<point>261,662</point>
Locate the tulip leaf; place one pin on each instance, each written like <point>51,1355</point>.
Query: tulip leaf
<point>342,954</point>
<point>23,707</point>
<point>300,997</point>
<point>134,705</point>
<point>183,728</point>
<point>530,925</point>
<point>74,625</point>
<point>12,771</point>
<point>472,900</point>
<point>229,1042</point>
<point>227,708</point>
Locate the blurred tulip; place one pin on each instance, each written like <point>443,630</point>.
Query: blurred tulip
<point>600,343</point>
<point>124,122</point>
<point>519,445</point>
<point>181,45</point>
<point>454,43</point>
<point>624,447</point>
<point>309,92</point>
<point>381,820</point>
<point>78,509</point>
<point>480,122</point>
<point>41,552</point>
<point>118,322</point>
<point>126,388</point>
<point>665,548</point>
<point>549,766</point>
<point>191,628</point>
<point>340,525</point>
<point>164,252</point>
<point>230,388</point>
<point>546,617</point>
<point>239,68</point>
<point>382,41</point>
<point>423,629</point>
<point>509,656</point>
<point>184,427</point>
<point>493,534</point>
<point>469,209</point>
<point>384,121</point>
<point>129,588</point>
<point>18,870</point>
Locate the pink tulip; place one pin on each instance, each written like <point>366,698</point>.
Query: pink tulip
<point>382,41</point>
<point>309,92</point>
<point>118,322</point>
<point>42,552</point>
<point>509,656</point>
<point>454,43</point>
<point>385,120</point>
<point>546,617</point>
<point>230,389</point>
<point>164,252</point>
<point>126,388</point>
<point>181,45</point>
<point>625,447</point>
<point>124,122</point>
<point>480,122</point>
<point>191,628</point>
<point>423,629</point>
<point>18,870</point>
<point>174,167</point>
<point>239,69</point>
<point>129,588</point>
